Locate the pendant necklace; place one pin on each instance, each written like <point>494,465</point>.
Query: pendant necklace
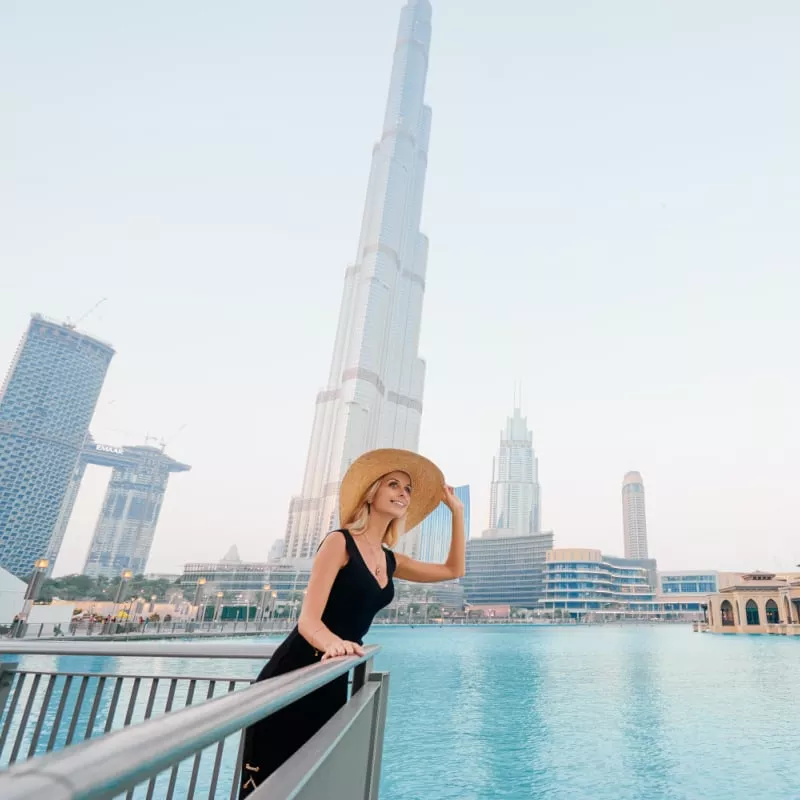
<point>377,569</point>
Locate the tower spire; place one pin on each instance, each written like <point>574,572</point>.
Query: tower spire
<point>373,397</point>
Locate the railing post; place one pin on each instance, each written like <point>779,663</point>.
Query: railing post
<point>7,671</point>
<point>377,732</point>
<point>360,675</point>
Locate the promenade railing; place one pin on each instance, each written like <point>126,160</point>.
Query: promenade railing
<point>161,734</point>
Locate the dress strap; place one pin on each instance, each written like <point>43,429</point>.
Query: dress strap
<point>391,561</point>
<point>349,542</point>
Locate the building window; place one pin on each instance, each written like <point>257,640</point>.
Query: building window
<point>726,612</point>
<point>773,615</point>
<point>751,611</point>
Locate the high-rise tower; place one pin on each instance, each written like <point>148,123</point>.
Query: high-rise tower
<point>46,404</point>
<point>373,397</point>
<point>634,521</point>
<point>515,494</point>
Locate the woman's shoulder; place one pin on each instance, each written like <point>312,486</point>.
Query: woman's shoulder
<point>339,540</point>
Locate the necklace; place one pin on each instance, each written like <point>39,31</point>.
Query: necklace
<point>378,568</point>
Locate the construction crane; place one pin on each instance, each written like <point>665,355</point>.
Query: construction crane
<point>72,325</point>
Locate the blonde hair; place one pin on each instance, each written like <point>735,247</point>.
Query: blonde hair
<point>396,528</point>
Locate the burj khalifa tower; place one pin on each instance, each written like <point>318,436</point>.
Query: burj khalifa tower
<point>373,397</point>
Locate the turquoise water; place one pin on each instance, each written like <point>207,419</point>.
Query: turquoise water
<point>603,713</point>
<point>607,713</point>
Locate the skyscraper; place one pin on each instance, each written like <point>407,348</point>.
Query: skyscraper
<point>633,516</point>
<point>515,495</point>
<point>127,524</point>
<point>373,397</point>
<point>46,404</point>
<point>434,534</point>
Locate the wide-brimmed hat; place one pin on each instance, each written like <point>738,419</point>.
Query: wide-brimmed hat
<point>426,482</point>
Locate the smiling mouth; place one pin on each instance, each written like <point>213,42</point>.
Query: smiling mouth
<point>398,503</point>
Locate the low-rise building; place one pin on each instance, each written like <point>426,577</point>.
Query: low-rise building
<point>586,585</point>
<point>759,602</point>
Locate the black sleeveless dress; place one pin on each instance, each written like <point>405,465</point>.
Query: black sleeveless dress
<point>355,598</point>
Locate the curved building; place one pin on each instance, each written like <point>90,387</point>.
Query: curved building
<point>46,404</point>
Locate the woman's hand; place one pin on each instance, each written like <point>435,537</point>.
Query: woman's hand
<point>339,647</point>
<point>450,499</point>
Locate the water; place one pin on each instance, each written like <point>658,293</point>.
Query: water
<point>607,713</point>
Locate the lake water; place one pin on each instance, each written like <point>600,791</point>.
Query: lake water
<point>607,713</point>
<point>602,713</point>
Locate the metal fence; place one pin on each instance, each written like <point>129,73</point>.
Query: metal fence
<point>82,630</point>
<point>88,735</point>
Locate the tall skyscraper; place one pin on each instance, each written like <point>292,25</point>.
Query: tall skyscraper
<point>46,404</point>
<point>634,521</point>
<point>125,530</point>
<point>515,495</point>
<point>434,534</point>
<point>373,397</point>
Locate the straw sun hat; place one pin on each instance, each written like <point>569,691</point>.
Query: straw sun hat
<point>426,483</point>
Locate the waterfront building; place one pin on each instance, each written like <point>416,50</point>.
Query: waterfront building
<point>758,602</point>
<point>688,582</point>
<point>506,570</point>
<point>430,541</point>
<point>124,533</point>
<point>586,585</point>
<point>46,404</point>
<point>287,580</point>
<point>373,397</point>
<point>634,519</point>
<point>515,497</point>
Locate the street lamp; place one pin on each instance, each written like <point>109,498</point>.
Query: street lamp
<point>262,608</point>
<point>218,607</point>
<point>272,599</point>
<point>31,595</point>
<point>198,597</point>
<point>123,582</point>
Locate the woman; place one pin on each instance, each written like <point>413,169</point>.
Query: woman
<point>383,493</point>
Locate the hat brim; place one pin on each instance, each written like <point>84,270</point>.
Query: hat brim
<point>427,481</point>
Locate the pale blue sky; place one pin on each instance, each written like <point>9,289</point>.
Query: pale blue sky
<point>612,203</point>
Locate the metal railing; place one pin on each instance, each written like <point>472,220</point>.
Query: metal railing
<point>133,630</point>
<point>135,743</point>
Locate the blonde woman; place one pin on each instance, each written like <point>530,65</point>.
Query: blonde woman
<point>383,494</point>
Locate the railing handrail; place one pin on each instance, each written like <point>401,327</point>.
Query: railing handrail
<point>109,765</point>
<point>148,649</point>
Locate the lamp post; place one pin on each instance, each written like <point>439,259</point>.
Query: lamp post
<point>198,598</point>
<point>152,607</point>
<point>31,595</point>
<point>123,583</point>
<point>262,606</point>
<point>218,606</point>
<point>272,606</point>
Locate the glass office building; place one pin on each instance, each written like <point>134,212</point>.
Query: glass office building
<point>46,404</point>
<point>434,534</point>
<point>506,570</point>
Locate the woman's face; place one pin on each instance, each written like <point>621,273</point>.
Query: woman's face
<point>393,495</point>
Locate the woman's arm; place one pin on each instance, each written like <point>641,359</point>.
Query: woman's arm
<point>410,569</point>
<point>330,558</point>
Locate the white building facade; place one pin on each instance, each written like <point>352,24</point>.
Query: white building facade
<point>373,397</point>
<point>634,519</point>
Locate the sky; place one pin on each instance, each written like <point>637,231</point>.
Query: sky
<point>612,206</point>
